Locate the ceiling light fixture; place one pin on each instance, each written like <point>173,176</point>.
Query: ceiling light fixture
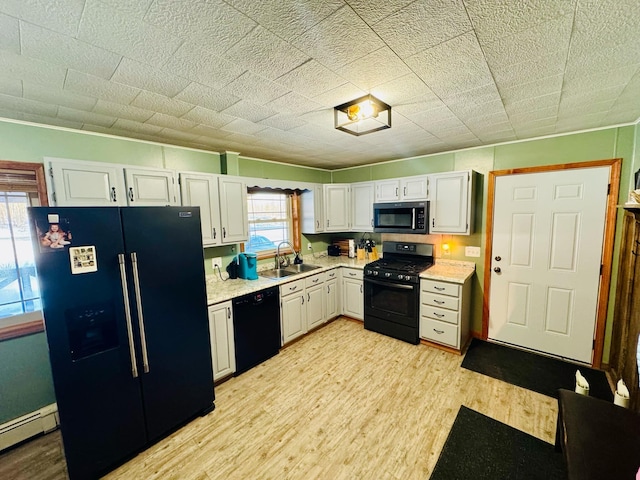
<point>363,115</point>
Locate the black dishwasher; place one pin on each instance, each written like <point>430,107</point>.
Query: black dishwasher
<point>256,328</point>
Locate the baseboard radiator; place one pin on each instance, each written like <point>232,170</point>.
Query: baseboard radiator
<point>34,423</point>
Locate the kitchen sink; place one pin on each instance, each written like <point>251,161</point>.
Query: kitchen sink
<point>287,271</point>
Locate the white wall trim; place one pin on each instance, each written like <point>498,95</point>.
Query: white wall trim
<point>22,428</point>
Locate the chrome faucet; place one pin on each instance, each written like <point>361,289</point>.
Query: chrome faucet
<point>283,262</point>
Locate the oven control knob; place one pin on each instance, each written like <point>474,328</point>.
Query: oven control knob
<point>400,277</point>
<point>375,273</point>
<point>387,274</point>
<point>369,272</point>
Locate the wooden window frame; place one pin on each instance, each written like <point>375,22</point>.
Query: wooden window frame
<point>28,327</point>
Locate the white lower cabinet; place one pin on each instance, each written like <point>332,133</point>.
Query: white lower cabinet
<point>353,293</point>
<point>222,341</point>
<point>444,312</point>
<point>332,294</point>
<point>293,310</point>
<point>316,301</point>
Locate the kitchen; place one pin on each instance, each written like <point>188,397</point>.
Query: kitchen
<point>612,142</point>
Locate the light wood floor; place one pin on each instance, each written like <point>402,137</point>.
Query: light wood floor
<point>342,403</point>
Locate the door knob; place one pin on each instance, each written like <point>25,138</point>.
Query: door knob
<point>498,258</point>
<point>497,269</point>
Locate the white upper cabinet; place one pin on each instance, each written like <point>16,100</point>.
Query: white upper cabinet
<point>75,183</point>
<point>450,208</point>
<point>405,189</point>
<point>96,184</point>
<point>234,219</point>
<point>201,190</point>
<point>149,187</point>
<point>337,207</point>
<point>312,208</point>
<point>362,195</point>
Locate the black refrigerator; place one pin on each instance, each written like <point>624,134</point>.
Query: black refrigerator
<point>125,310</point>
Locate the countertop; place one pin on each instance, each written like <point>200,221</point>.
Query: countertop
<point>221,291</point>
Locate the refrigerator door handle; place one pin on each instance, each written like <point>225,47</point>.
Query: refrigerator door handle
<point>127,313</point>
<point>143,336</point>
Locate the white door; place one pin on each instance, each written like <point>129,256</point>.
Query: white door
<point>202,191</point>
<point>315,306</point>
<point>362,207</point>
<point>222,340</point>
<point>388,190</point>
<point>337,207</point>
<point>293,317</point>
<point>449,206</point>
<point>233,209</point>
<point>150,187</point>
<point>331,293</point>
<point>85,184</point>
<point>414,188</point>
<point>353,298</point>
<point>547,250</point>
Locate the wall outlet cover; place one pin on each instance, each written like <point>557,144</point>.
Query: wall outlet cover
<point>472,251</point>
<point>216,261</point>
<point>308,246</point>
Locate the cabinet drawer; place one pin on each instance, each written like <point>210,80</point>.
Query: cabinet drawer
<point>292,287</point>
<point>443,288</point>
<point>440,332</point>
<point>442,301</point>
<point>331,274</point>
<point>437,313</point>
<point>352,273</point>
<point>314,280</point>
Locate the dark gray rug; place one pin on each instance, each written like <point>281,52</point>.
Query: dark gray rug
<point>534,372</point>
<point>481,448</point>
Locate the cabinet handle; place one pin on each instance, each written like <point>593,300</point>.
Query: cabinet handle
<point>308,297</point>
<point>360,288</point>
<point>293,288</point>
<point>404,191</point>
<point>328,289</point>
<point>136,289</point>
<point>439,302</point>
<point>113,194</point>
<point>127,316</point>
<point>396,191</point>
<point>228,312</point>
<point>224,232</point>
<point>316,280</point>
<point>440,289</point>
<point>439,315</point>
<point>214,233</point>
<point>433,222</point>
<point>439,332</point>
<point>318,223</point>
<point>131,193</point>
<point>332,274</point>
<point>302,297</point>
<point>327,222</point>
<point>352,274</point>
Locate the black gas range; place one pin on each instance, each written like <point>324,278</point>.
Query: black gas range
<point>392,290</point>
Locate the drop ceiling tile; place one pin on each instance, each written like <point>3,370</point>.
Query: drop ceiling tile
<point>417,105</point>
<point>507,76</point>
<point>482,120</point>
<point>498,137</point>
<point>9,34</point>
<point>97,87</point>
<point>133,126</point>
<point>311,79</point>
<point>431,117</point>
<point>493,20</point>
<point>66,51</point>
<point>244,127</point>
<point>539,41</point>
<point>567,111</point>
<point>143,76</point>
<point>133,8</point>
<point>32,70</point>
<point>599,81</point>
<point>490,128</point>
<point>375,68</point>
<point>159,103</point>
<point>249,111</point>
<point>208,117</point>
<point>167,121</point>
<point>254,88</point>
<point>533,132</point>
<point>265,54</point>
<point>629,115</point>
<point>287,18</point>
<point>85,117</point>
<point>283,122</point>
<point>126,112</point>
<point>598,61</point>
<point>582,123</point>
<point>55,121</point>
<point>339,95</point>
<point>206,97</point>
<point>523,107</point>
<point>24,105</point>
<point>199,64</point>
<point>422,25</point>
<point>11,86</point>
<point>214,22</point>
<point>525,116</point>
<point>293,103</point>
<point>4,113</point>
<point>543,87</point>
<point>331,42</point>
<point>178,135</point>
<point>408,88</point>
<point>210,132</point>
<point>586,96</point>
<point>63,16</point>
<point>113,30</point>
<point>54,96</point>
<point>374,11</point>
<point>456,65</point>
<point>467,110</point>
<point>533,123</point>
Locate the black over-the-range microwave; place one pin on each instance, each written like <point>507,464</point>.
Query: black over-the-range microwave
<point>401,217</point>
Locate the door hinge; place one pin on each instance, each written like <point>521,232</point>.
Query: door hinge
<point>53,196</point>
<point>601,268</point>
<point>593,344</point>
<point>51,172</point>
<point>609,189</point>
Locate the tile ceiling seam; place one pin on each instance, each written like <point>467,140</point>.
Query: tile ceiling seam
<point>566,60</point>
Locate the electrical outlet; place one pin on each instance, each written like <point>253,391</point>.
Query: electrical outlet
<point>472,251</point>
<point>216,261</point>
<point>308,246</point>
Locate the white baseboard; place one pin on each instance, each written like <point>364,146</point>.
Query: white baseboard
<point>24,427</point>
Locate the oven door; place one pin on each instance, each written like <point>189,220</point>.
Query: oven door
<point>392,301</point>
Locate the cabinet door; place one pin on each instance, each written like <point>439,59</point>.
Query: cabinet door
<point>315,306</point>
<point>293,317</point>
<point>150,187</point>
<point>85,184</point>
<point>337,207</point>
<point>362,195</point>
<point>222,342</point>
<point>233,210</point>
<point>331,293</point>
<point>414,188</point>
<point>202,191</point>
<point>312,210</point>
<point>449,206</point>
<point>388,190</point>
<point>353,298</point>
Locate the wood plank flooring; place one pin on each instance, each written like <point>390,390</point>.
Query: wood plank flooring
<point>342,403</point>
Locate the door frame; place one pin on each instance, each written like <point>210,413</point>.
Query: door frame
<point>615,165</point>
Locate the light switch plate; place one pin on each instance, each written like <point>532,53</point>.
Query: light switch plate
<point>216,261</point>
<point>472,251</point>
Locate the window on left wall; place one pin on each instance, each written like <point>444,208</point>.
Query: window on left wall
<point>21,186</point>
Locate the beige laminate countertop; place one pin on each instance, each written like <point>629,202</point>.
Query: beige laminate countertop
<point>221,291</point>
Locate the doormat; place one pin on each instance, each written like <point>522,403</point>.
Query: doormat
<point>531,371</point>
<point>481,448</point>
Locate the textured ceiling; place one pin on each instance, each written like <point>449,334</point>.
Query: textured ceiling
<point>260,77</point>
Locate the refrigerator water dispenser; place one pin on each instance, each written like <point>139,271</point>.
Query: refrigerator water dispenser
<point>92,329</point>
